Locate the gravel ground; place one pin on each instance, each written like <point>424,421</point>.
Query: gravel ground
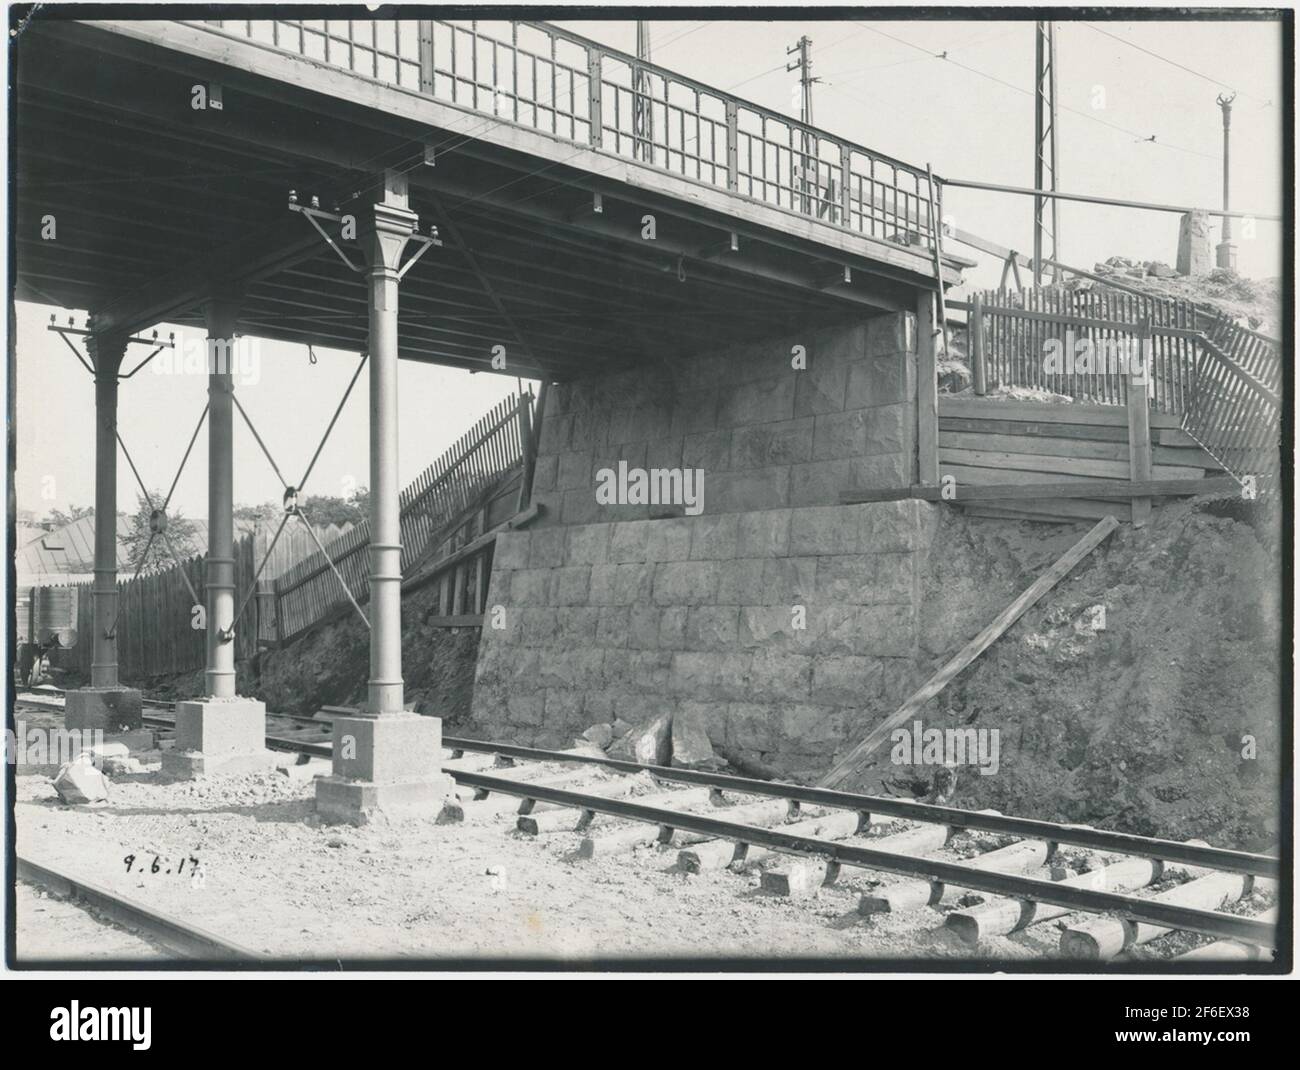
<point>279,883</point>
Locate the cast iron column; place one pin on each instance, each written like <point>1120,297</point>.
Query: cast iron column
<point>106,353</point>
<point>222,312</point>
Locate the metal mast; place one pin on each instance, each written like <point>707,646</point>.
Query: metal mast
<point>1226,251</point>
<point>642,113</point>
<point>803,64</point>
<point>1046,231</point>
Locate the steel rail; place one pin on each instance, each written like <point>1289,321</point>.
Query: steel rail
<point>1167,915</point>
<point>1225,859</point>
<point>187,940</point>
<point>1221,858</point>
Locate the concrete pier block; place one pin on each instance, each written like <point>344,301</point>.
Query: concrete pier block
<point>387,766</point>
<point>218,737</point>
<point>109,709</point>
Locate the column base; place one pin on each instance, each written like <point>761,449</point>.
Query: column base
<point>218,737</point>
<point>108,709</point>
<point>387,767</point>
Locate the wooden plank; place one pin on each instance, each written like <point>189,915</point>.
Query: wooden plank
<point>1079,488</point>
<point>1039,445</point>
<point>1068,466</point>
<point>977,476</point>
<point>1139,431</point>
<point>1033,428</point>
<point>862,753</point>
<point>998,409</point>
<point>1074,510</point>
<point>927,396</point>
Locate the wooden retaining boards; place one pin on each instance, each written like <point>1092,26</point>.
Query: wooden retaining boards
<point>1191,854</point>
<point>1046,412</point>
<point>1028,427</point>
<point>1151,912</point>
<point>1053,464</point>
<point>186,940</point>
<point>1077,488</point>
<point>859,755</point>
<point>1044,446</point>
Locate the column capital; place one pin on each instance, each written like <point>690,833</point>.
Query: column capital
<point>385,230</point>
<point>106,351</point>
<point>221,310</point>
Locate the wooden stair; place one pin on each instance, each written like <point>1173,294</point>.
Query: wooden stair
<point>985,441</point>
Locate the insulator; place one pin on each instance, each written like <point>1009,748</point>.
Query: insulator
<point>315,201</point>
<point>293,196</point>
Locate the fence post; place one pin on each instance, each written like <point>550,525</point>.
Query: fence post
<point>846,177</point>
<point>733,147</point>
<point>927,395</point>
<point>975,342</point>
<point>426,56</point>
<point>594,94</point>
<point>1139,420</point>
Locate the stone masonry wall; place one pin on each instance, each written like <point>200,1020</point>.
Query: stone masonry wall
<point>698,615</point>
<point>765,435</point>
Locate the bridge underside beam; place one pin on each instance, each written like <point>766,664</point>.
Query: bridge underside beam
<point>565,288</point>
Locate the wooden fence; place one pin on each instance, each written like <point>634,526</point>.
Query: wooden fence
<point>1221,379</point>
<point>489,454</point>
<point>155,625</point>
<point>1029,339</point>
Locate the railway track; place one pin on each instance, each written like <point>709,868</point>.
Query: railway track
<point>809,838</point>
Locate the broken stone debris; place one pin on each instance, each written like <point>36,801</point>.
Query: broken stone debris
<point>79,782</point>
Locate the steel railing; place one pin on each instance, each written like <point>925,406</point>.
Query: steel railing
<point>539,76</point>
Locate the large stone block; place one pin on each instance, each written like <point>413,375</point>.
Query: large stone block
<point>789,581</point>
<point>555,434</point>
<point>763,534</point>
<point>886,470</point>
<point>546,472</point>
<point>685,583</point>
<point>511,550</point>
<point>108,709</point>
<point>891,333</point>
<point>712,627</point>
<point>579,507</point>
<point>621,585</point>
<point>588,544</point>
<point>887,430</point>
<point>839,344</point>
<point>820,482</point>
<point>714,538</point>
<point>847,679</point>
<point>763,445</point>
<point>710,450</point>
<point>570,585</point>
<point>531,586</point>
<point>761,402</point>
<point>218,736</point>
<point>695,412</point>
<point>628,541</point>
<point>821,388</point>
<point>820,530</point>
<point>613,627</point>
<point>756,489</point>
<point>668,540</point>
<point>840,434</point>
<point>1194,244</point>
<point>779,675</point>
<point>546,547</point>
<point>575,470</point>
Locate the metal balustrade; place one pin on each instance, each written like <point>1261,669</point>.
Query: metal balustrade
<point>536,75</point>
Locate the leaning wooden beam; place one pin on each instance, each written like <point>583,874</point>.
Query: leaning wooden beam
<point>860,755</point>
<point>1080,488</point>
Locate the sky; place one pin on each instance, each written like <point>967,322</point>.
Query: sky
<point>882,87</point>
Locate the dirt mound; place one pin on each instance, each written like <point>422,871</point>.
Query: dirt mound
<point>1141,694</point>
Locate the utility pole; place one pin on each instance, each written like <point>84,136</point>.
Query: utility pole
<point>642,114</point>
<point>1046,232</point>
<point>808,166</point>
<point>1226,252</point>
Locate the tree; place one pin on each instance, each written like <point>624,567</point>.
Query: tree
<point>262,515</point>
<point>181,532</point>
<point>324,509</point>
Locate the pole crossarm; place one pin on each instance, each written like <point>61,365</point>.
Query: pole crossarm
<point>63,333</point>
